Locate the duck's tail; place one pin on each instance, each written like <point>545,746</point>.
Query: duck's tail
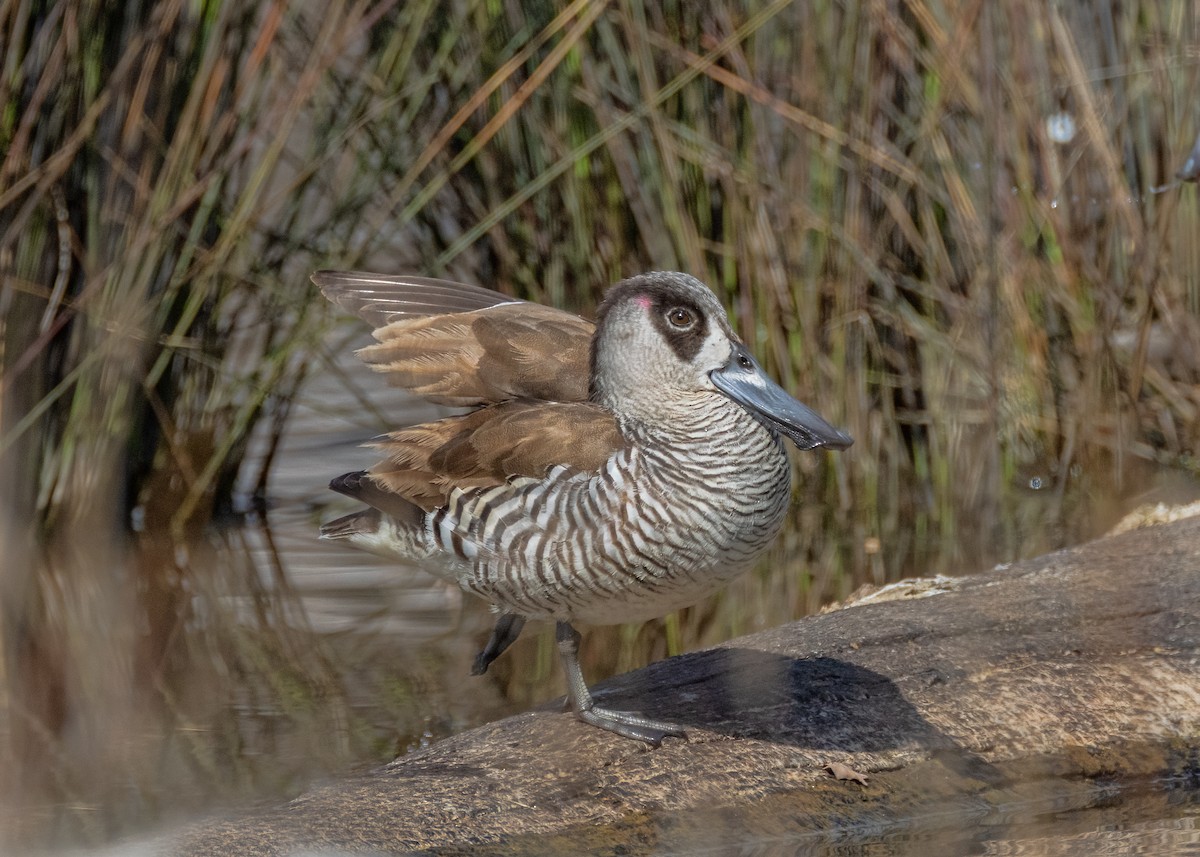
<point>392,527</point>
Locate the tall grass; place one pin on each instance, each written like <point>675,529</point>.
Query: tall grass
<point>881,192</point>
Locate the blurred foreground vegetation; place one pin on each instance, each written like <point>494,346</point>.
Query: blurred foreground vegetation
<point>936,221</point>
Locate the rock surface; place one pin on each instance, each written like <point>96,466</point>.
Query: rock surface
<point>1043,678</point>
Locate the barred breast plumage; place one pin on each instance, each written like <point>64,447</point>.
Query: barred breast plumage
<point>612,474</point>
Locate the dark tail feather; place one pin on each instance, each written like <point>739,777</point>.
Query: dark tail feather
<point>392,528</point>
<point>361,486</point>
<point>355,524</point>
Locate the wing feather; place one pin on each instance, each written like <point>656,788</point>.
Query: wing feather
<point>380,299</point>
<point>463,345</point>
<point>527,365</point>
<point>492,445</point>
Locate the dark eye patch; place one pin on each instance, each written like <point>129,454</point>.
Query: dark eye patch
<point>681,323</point>
<point>657,294</point>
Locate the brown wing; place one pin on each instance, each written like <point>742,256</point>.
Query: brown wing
<point>380,299</point>
<point>456,344</point>
<point>489,446</point>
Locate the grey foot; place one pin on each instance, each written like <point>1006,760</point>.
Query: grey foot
<point>631,725</point>
<point>624,723</point>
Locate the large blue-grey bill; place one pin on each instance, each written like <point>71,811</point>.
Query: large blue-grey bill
<point>744,381</point>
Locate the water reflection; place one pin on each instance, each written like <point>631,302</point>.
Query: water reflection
<point>258,659</point>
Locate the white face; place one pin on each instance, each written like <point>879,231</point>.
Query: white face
<point>713,354</point>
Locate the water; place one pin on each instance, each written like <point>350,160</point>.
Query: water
<point>1112,823</point>
<point>287,660</point>
<point>1152,819</point>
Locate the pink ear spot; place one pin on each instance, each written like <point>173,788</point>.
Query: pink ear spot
<point>643,301</point>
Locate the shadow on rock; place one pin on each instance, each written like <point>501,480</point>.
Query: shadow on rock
<point>819,703</point>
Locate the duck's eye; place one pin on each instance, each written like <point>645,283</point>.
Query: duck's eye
<point>681,317</point>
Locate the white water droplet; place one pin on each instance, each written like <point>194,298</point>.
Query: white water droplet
<point>1060,127</point>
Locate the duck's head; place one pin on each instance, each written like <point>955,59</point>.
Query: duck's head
<point>663,342</point>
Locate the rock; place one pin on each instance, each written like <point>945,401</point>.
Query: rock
<point>1040,678</point>
<point>1153,514</point>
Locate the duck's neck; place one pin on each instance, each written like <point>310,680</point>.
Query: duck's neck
<point>702,427</point>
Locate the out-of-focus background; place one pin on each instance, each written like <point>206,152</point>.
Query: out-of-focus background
<point>953,228</point>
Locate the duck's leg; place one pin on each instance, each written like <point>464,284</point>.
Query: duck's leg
<point>624,723</point>
<point>508,628</point>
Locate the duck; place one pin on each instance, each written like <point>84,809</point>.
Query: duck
<point>605,472</point>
